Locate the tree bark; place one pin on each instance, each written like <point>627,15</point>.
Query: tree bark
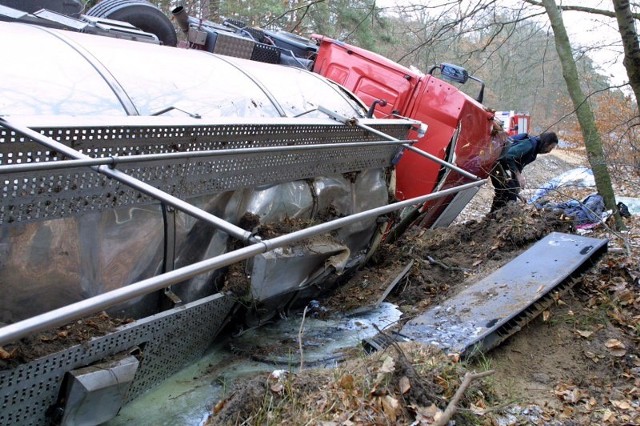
<point>592,140</point>
<point>629,38</point>
<point>214,10</point>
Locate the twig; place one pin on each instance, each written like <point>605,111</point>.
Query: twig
<point>440,263</point>
<point>304,315</point>
<point>452,407</point>
<point>406,363</point>
<point>493,409</point>
<point>302,6</point>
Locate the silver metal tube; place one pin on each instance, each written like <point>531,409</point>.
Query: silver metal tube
<point>53,165</point>
<point>115,160</point>
<point>432,157</point>
<point>375,212</point>
<point>182,18</point>
<point>145,188</point>
<point>442,162</point>
<point>98,303</point>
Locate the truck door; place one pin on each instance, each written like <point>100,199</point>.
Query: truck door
<point>368,75</point>
<point>438,105</point>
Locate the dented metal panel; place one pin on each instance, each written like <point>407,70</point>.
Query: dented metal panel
<point>471,319</point>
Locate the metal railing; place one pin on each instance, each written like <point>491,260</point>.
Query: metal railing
<point>256,246</point>
<point>98,303</point>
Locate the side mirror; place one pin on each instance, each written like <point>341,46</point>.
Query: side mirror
<point>459,75</point>
<point>454,73</point>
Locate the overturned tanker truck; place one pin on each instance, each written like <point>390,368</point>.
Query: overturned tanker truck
<point>142,179</point>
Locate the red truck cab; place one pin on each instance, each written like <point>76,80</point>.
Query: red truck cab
<point>460,129</point>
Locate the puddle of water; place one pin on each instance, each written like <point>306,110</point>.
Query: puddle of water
<point>188,396</point>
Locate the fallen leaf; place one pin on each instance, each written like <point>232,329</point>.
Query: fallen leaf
<point>592,356</point>
<point>585,334</point>
<point>346,381</point>
<point>219,406</point>
<point>571,394</point>
<point>6,355</point>
<point>405,385</point>
<point>545,316</point>
<point>424,415</point>
<point>622,405</point>
<point>390,406</point>
<point>476,263</point>
<point>616,347</point>
<point>590,405</point>
<point>454,357</point>
<point>388,365</point>
<point>479,411</point>
<point>614,343</point>
<point>567,412</point>
<point>625,297</point>
<point>607,415</point>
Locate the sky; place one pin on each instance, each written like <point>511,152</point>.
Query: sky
<point>593,30</point>
<point>584,29</point>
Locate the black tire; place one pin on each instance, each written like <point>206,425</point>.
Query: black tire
<point>139,13</point>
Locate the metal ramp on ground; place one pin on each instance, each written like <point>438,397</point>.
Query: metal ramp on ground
<point>486,313</point>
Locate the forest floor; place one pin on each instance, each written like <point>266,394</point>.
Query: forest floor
<point>575,364</point>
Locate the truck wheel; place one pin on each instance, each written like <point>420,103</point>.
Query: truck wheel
<point>139,13</point>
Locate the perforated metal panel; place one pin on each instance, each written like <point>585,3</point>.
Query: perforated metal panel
<point>33,196</point>
<point>233,45</point>
<point>265,53</point>
<point>169,341</point>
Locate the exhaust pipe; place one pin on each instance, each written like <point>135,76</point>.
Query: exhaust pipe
<point>182,18</point>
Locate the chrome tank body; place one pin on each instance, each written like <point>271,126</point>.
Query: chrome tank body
<point>71,250</point>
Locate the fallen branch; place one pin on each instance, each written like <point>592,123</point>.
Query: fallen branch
<point>434,261</point>
<point>304,315</point>
<point>408,365</point>
<point>452,407</point>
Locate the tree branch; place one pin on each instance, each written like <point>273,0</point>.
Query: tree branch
<point>304,315</point>
<point>452,407</point>
<point>583,9</point>
<point>302,6</point>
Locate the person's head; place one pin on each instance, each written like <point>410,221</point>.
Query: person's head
<point>548,141</point>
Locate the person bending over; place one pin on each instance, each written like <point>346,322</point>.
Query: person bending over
<point>506,175</point>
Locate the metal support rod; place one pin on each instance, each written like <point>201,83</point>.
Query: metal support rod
<point>442,162</point>
<point>137,184</point>
<point>354,121</point>
<point>103,301</point>
<point>115,160</point>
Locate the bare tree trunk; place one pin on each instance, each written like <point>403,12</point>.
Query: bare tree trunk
<point>630,42</point>
<point>204,9</point>
<point>592,139</point>
<point>214,10</point>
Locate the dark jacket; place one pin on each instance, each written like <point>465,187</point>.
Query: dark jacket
<point>523,150</point>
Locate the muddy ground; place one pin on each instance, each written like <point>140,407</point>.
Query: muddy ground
<point>575,364</point>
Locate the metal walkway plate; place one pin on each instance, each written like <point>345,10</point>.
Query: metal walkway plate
<point>486,313</point>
